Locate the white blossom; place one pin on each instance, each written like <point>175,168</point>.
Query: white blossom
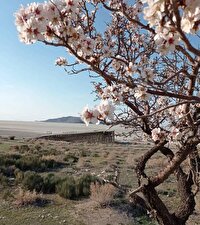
<point>140,93</point>
<point>175,133</point>
<point>157,134</point>
<point>106,109</point>
<point>61,61</point>
<point>89,115</point>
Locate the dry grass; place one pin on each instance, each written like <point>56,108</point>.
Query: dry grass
<point>92,159</point>
<point>49,157</point>
<point>24,198</point>
<point>102,194</point>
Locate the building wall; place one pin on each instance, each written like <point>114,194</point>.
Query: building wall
<point>92,137</point>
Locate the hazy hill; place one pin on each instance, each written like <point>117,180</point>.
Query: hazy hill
<point>68,119</point>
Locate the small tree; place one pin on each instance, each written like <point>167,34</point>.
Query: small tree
<point>147,61</point>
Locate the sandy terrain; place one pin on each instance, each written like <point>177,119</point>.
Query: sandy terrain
<point>34,129</point>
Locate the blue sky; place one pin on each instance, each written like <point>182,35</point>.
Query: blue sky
<point>31,86</point>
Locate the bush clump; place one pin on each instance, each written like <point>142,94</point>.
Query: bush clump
<point>70,159</point>
<point>25,163</point>
<point>83,185</point>
<point>3,180</point>
<point>32,181</point>
<point>24,148</point>
<point>36,164</point>
<point>7,170</point>
<point>49,183</point>
<point>66,188</point>
<point>73,189</point>
<point>9,160</point>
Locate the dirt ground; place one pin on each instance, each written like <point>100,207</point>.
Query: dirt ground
<point>97,159</point>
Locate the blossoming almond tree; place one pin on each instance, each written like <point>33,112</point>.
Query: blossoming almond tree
<point>148,60</point>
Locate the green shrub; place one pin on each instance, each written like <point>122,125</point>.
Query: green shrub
<point>19,176</point>
<point>36,164</point>
<point>74,189</point>
<point>50,163</point>
<point>24,148</point>
<point>29,163</point>
<point>3,180</point>
<point>49,183</point>
<point>24,163</point>
<point>7,171</point>
<point>70,159</point>
<point>66,188</point>
<point>32,181</point>
<point>83,185</point>
<point>9,160</point>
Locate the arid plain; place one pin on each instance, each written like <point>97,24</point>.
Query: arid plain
<point>50,167</point>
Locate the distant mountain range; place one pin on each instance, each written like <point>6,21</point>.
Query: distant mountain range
<point>68,119</point>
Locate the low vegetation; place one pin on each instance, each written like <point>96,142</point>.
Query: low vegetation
<point>102,194</point>
<point>25,198</point>
<point>36,163</point>
<point>67,186</point>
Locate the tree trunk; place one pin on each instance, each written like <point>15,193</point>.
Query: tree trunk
<point>159,210</point>
<point>184,185</point>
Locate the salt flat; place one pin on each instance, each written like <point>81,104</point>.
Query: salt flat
<point>23,129</point>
